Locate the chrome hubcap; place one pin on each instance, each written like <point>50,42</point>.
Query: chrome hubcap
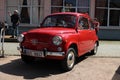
<point>95,48</point>
<point>70,59</point>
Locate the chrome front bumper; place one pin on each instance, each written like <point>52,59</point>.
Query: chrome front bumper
<point>39,53</point>
<point>55,53</point>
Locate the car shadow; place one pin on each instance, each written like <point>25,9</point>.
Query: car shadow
<point>30,71</point>
<point>117,74</point>
<point>39,68</point>
<point>80,59</point>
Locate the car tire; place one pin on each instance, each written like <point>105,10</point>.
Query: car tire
<point>94,51</point>
<point>69,61</point>
<point>27,59</point>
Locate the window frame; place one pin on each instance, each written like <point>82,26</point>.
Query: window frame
<point>68,8</point>
<point>109,9</point>
<point>80,26</point>
<point>31,6</point>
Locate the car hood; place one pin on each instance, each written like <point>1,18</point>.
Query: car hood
<point>44,36</point>
<point>52,31</point>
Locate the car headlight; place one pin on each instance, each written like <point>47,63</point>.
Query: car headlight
<point>20,38</point>
<point>57,40</point>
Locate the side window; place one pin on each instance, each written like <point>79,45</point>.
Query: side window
<point>83,23</point>
<point>91,24</point>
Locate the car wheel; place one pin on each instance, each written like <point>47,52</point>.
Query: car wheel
<point>69,61</point>
<point>27,59</point>
<point>94,51</point>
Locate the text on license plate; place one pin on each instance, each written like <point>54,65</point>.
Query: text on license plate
<point>33,53</point>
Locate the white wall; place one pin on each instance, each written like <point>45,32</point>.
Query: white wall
<point>47,7</point>
<point>92,8</point>
<point>2,10</point>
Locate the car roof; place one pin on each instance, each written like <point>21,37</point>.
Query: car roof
<point>72,13</point>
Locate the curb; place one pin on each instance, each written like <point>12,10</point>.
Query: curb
<point>7,38</point>
<point>10,40</point>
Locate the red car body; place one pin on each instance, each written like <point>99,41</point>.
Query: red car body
<point>61,42</point>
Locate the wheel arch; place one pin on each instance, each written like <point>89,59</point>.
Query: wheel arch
<point>74,46</point>
<point>97,43</point>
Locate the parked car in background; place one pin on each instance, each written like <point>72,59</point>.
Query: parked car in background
<point>61,36</point>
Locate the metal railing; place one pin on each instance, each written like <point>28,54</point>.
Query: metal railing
<point>2,36</point>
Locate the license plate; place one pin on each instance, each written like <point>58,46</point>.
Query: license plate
<point>33,53</point>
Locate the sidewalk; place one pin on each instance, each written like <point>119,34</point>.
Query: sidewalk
<point>109,49</point>
<point>12,68</point>
<point>8,39</point>
<point>105,49</point>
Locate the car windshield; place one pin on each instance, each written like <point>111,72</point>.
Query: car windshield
<point>60,21</point>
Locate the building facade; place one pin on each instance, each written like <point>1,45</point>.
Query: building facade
<point>32,12</point>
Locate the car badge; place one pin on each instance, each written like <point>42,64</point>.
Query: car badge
<point>34,41</point>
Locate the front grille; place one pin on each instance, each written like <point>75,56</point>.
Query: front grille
<point>42,38</point>
<point>37,41</point>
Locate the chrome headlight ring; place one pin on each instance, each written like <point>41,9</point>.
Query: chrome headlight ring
<point>20,38</point>
<point>57,40</point>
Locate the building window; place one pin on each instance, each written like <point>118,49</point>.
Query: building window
<point>81,6</point>
<point>57,6</point>
<point>101,11</point>
<point>108,12</point>
<point>27,8</point>
<point>114,13</point>
<point>114,18</point>
<point>69,5</point>
<point>25,11</point>
<point>115,3</point>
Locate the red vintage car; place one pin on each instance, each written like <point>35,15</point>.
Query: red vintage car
<point>61,36</point>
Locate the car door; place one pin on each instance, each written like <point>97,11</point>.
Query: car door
<point>84,33</point>
<point>93,34</point>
